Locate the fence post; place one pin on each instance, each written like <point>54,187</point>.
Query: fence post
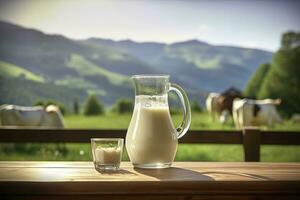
<point>251,144</point>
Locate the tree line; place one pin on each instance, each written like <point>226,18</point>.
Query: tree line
<point>281,77</point>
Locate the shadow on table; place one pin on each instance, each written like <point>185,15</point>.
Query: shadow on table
<point>174,173</point>
<point>245,175</point>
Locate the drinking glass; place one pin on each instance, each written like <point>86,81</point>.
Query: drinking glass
<point>107,153</point>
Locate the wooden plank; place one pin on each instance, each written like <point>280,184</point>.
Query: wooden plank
<point>212,137</point>
<point>103,197</point>
<point>21,135</point>
<point>57,135</point>
<point>280,137</point>
<point>183,179</point>
<point>84,135</point>
<point>157,197</point>
<point>251,144</point>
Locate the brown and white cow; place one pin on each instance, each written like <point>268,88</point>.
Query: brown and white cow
<point>248,112</point>
<point>219,106</point>
<point>37,116</point>
<point>225,100</point>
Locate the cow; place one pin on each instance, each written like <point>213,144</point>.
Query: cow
<point>220,105</point>
<point>224,116</point>
<point>212,105</point>
<point>225,100</point>
<point>37,116</point>
<point>249,112</point>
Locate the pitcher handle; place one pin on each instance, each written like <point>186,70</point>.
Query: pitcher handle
<point>186,122</point>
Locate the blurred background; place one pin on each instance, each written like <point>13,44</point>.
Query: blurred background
<point>79,55</point>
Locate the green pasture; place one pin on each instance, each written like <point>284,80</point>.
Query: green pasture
<point>199,121</point>
<point>10,70</point>
<point>186,152</point>
<point>85,68</point>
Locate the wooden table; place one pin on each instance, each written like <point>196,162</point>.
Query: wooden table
<point>185,180</point>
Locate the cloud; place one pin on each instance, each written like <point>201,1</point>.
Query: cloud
<point>203,28</point>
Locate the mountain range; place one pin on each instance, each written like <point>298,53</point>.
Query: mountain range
<point>36,66</point>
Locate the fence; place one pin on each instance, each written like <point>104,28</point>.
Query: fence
<point>251,137</point>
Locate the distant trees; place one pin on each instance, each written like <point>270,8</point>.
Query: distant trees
<point>290,40</point>
<point>256,80</point>
<point>174,111</point>
<point>282,79</point>
<point>123,106</point>
<point>195,106</point>
<point>76,107</point>
<point>93,106</point>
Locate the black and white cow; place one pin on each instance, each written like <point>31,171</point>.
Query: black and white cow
<point>248,112</point>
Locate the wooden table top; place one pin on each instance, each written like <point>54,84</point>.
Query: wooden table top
<point>221,178</point>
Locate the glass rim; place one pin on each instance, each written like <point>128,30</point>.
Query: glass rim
<point>139,76</point>
<point>106,139</point>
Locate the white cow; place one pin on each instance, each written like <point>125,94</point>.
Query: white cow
<point>37,116</point>
<point>212,105</point>
<point>248,112</point>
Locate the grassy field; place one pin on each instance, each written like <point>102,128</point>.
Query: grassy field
<point>186,152</point>
<point>117,121</point>
<point>9,70</point>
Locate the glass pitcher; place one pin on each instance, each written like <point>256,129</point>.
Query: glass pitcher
<point>152,139</point>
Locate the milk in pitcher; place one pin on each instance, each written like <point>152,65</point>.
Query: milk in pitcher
<point>152,136</point>
<point>151,139</point>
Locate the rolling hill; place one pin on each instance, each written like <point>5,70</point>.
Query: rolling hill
<point>197,65</point>
<point>103,67</point>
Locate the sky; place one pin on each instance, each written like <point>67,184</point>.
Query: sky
<point>254,24</point>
